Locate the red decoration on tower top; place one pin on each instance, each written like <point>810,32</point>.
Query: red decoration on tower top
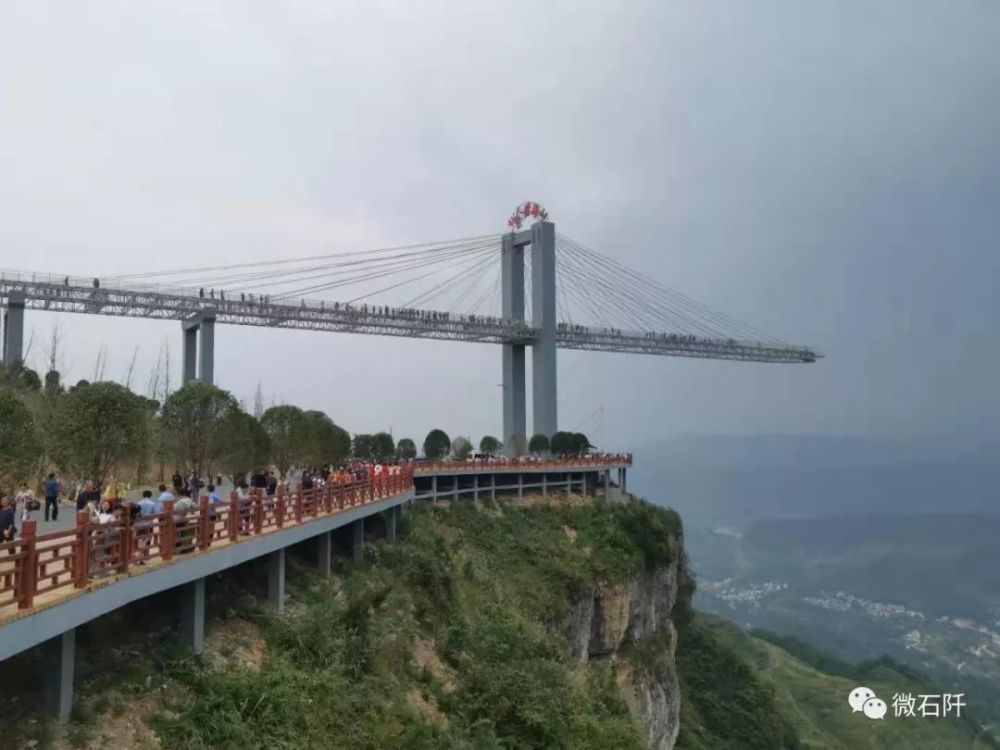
<point>527,210</point>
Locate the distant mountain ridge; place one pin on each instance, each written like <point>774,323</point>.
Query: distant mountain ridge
<point>732,480</point>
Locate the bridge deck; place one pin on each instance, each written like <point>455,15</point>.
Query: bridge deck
<point>74,294</point>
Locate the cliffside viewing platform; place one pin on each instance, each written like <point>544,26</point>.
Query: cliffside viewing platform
<point>52,583</point>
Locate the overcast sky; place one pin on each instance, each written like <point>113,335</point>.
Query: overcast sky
<point>828,172</point>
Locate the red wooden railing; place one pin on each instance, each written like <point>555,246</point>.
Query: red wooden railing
<point>526,462</point>
<point>34,564</point>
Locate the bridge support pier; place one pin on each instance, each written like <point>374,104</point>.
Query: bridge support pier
<point>358,548</point>
<point>545,484</point>
<point>13,330</point>
<point>493,486</point>
<point>324,552</point>
<point>199,347</point>
<point>512,306</point>
<point>390,524</point>
<point>59,655</point>
<point>276,579</point>
<point>543,318</point>
<point>193,614</point>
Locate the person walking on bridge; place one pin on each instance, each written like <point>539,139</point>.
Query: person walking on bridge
<point>52,497</point>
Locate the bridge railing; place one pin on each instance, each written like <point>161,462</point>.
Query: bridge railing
<point>528,463</point>
<point>39,569</point>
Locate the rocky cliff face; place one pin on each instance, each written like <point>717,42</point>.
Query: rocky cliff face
<point>630,624</point>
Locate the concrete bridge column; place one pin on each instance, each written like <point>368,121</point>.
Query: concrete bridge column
<point>199,347</point>
<point>569,483</point>
<point>493,486</point>
<point>59,656</point>
<point>324,552</point>
<point>545,484</point>
<point>543,318</point>
<point>359,539</point>
<point>193,614</point>
<point>624,474</point>
<point>206,348</point>
<point>512,306</point>
<point>190,370</point>
<point>13,330</point>
<point>276,579</point>
<point>390,524</point>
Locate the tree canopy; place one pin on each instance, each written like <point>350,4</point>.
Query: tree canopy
<point>198,424</point>
<point>325,442</point>
<point>569,444</point>
<point>406,449</point>
<point>246,447</point>
<point>490,445</point>
<point>383,447</point>
<point>20,447</point>
<point>377,447</point>
<point>539,443</point>
<point>286,430</point>
<point>461,447</point>
<point>437,444</point>
<point>98,427</point>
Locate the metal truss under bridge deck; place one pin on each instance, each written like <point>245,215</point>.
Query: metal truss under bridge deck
<point>72,294</point>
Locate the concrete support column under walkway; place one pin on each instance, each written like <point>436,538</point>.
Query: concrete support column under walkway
<point>358,547</point>
<point>324,552</point>
<point>276,579</point>
<point>59,656</point>
<point>390,524</point>
<point>193,614</point>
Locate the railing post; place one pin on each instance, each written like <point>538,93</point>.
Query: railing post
<point>28,564</point>
<point>204,537</point>
<point>317,498</point>
<point>125,539</point>
<point>258,511</point>
<point>279,507</point>
<point>297,500</point>
<point>234,516</point>
<point>167,531</point>
<point>81,569</point>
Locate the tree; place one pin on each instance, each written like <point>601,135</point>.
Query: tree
<point>363,446</point>
<point>563,444</point>
<point>383,447</point>
<point>325,441</point>
<point>490,445</point>
<point>461,447</point>
<point>196,421</point>
<point>538,444</point>
<point>53,387</point>
<point>581,444</point>
<point>28,379</point>
<point>98,427</point>
<point>20,447</point>
<point>246,447</point>
<point>406,449</point>
<point>287,431</point>
<point>436,444</point>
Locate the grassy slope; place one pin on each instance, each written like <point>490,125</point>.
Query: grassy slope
<point>491,589</point>
<point>751,677</point>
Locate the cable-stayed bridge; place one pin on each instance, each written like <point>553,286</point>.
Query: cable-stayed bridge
<point>498,289</point>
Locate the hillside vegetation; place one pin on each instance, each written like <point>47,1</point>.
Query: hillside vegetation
<point>740,691</point>
<point>457,636</point>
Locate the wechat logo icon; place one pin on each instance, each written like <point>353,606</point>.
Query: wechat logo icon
<point>864,700</point>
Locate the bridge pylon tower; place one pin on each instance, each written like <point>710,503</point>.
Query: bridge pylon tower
<point>541,239</point>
